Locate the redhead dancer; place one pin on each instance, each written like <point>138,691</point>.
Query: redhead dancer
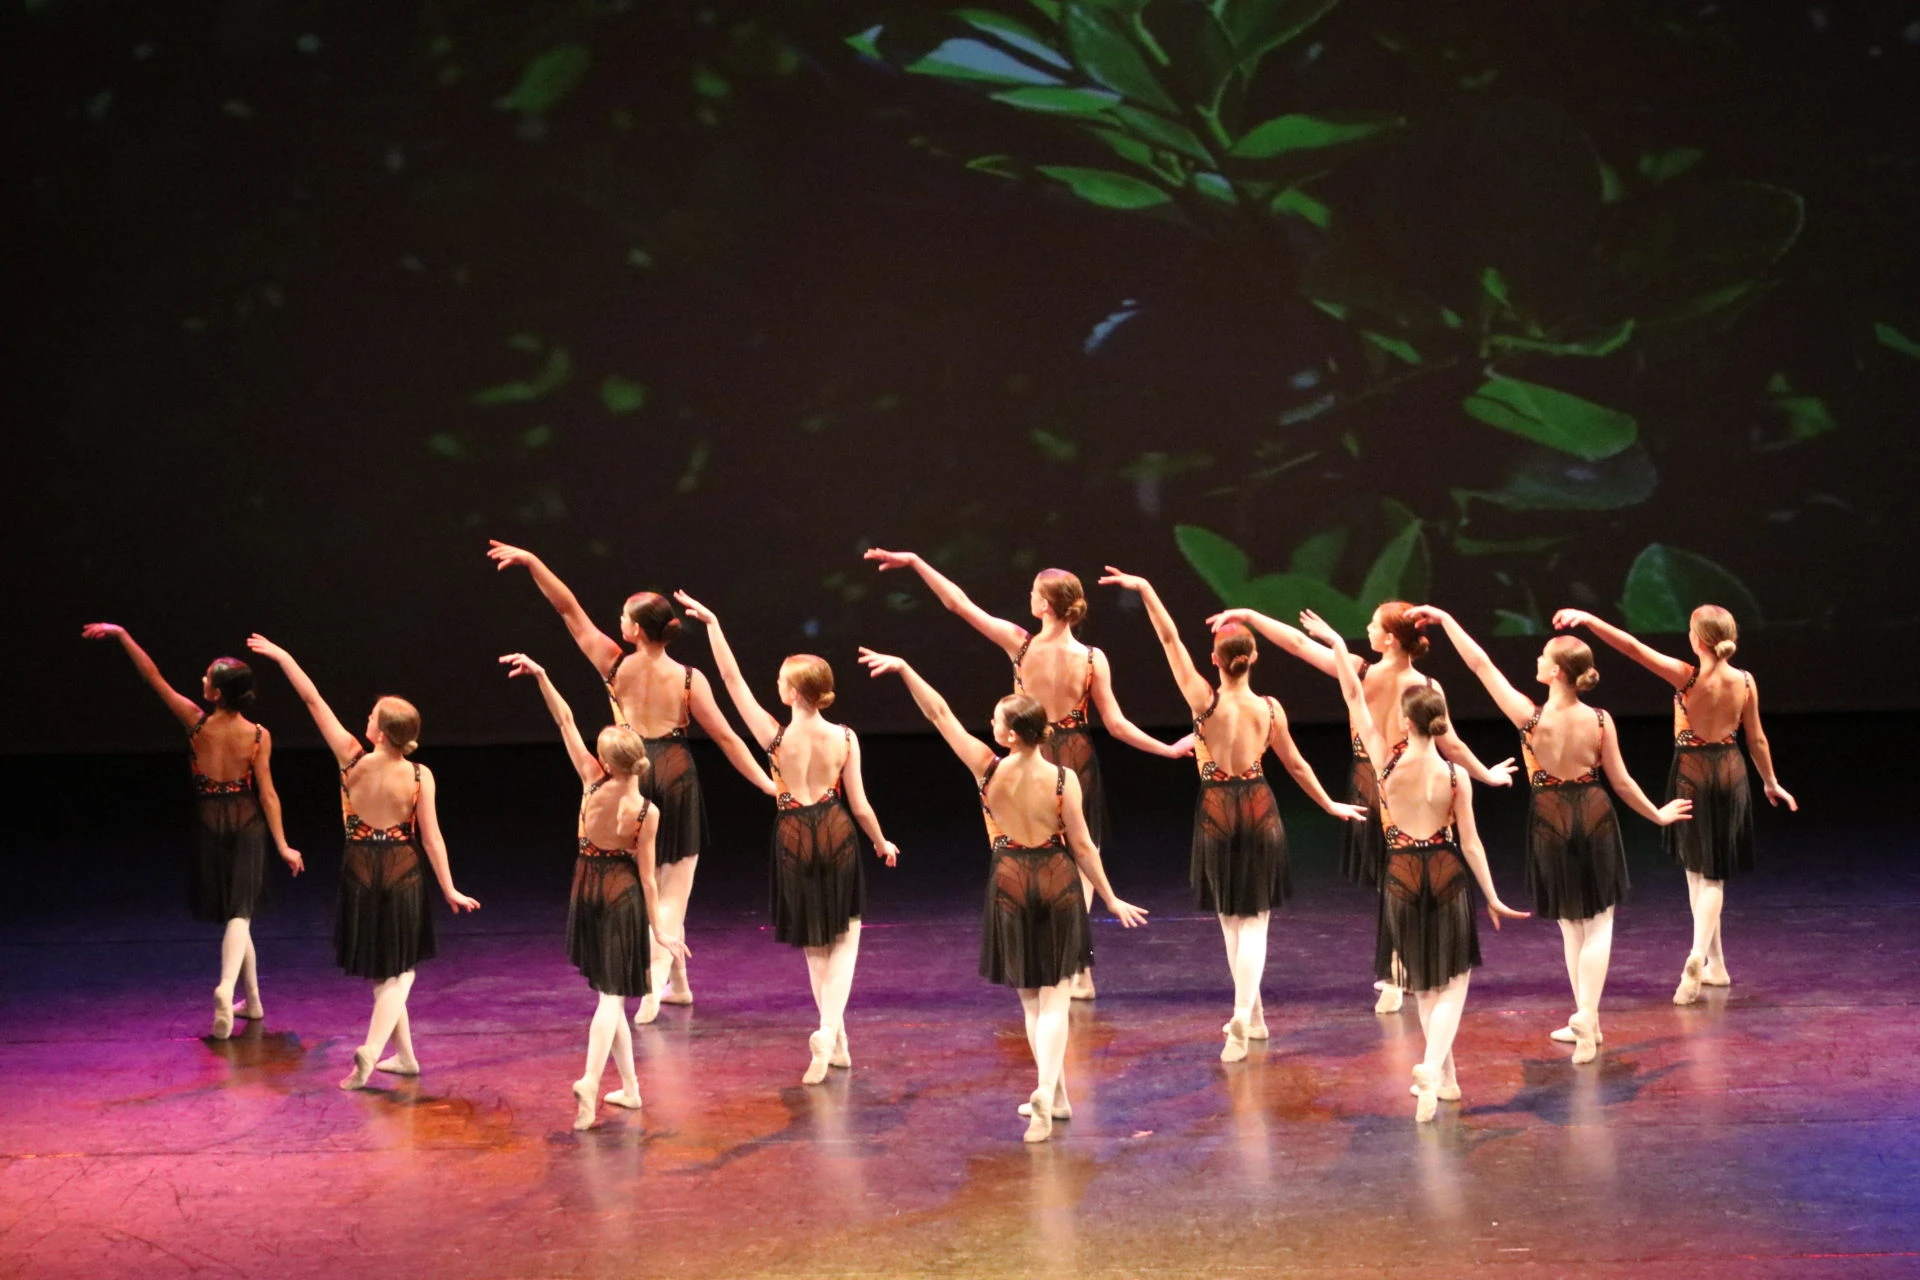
<point>1576,861</point>
<point>1239,865</point>
<point>1713,703</point>
<point>658,698</point>
<point>236,811</point>
<point>383,925</point>
<point>1066,676</point>
<point>1392,635</point>
<point>818,888</point>
<point>1427,898</point>
<point>1034,932</point>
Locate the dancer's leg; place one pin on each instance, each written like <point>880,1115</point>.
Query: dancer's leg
<point>837,981</point>
<point>819,1046</point>
<point>628,1094</point>
<point>401,1061</point>
<point>608,1015</point>
<point>1596,953</point>
<point>1246,938</point>
<point>1707,897</point>
<point>389,1003</point>
<point>675,881</point>
<point>1440,1018</point>
<point>233,954</point>
<point>1572,936</point>
<point>250,981</point>
<point>1050,1005</point>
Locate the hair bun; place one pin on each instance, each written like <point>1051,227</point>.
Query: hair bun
<point>1418,648</point>
<point>671,630</point>
<point>1437,727</point>
<point>826,700</point>
<point>1587,679</point>
<point>1724,649</point>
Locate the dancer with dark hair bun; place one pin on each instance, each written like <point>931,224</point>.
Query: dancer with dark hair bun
<point>1428,902</point>
<point>1034,932</point>
<point>1066,676</point>
<point>818,889</point>
<point>1713,703</point>
<point>383,924</point>
<point>1392,635</point>
<point>657,697</point>
<point>1239,864</point>
<point>1576,860</point>
<point>236,811</point>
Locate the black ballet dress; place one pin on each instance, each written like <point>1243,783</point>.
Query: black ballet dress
<point>227,877</point>
<point>1071,744</point>
<point>672,783</point>
<point>1363,852</point>
<point>1719,839</point>
<point>1034,932</point>
<point>817,885</point>
<point>1239,865</point>
<point>607,936</point>
<point>1576,860</point>
<point>382,926</point>
<point>1427,902</point>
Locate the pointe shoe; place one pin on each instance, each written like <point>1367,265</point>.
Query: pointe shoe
<point>1586,1037</point>
<point>1389,1001</point>
<point>584,1110</point>
<point>393,1066</point>
<point>1235,1049</point>
<point>820,1044</point>
<point>621,1098</point>
<point>1688,991</point>
<point>1039,1118</point>
<point>840,1057</point>
<point>1564,1035</point>
<point>1443,1091</point>
<point>362,1068</point>
<point>649,1010</point>
<point>1426,1092</point>
<point>222,1016</point>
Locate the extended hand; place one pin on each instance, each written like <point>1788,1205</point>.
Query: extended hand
<point>461,902</point>
<point>881,664</point>
<point>890,560</point>
<point>1180,750</point>
<point>506,557</point>
<point>695,610</point>
<point>1496,909</point>
<point>1568,619</point>
<point>1230,617</point>
<point>1126,913</point>
<point>295,863</point>
<point>1777,795</point>
<point>1674,811</point>
<point>521,665</point>
<point>1352,812</point>
<point>267,648</point>
<point>102,631</point>
<point>1316,626</point>
<point>675,947</point>
<point>889,852</point>
<point>1424,615</point>
<point>1119,578</point>
<point>1501,775</point>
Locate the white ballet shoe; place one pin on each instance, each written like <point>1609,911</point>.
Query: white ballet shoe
<point>1714,975</point>
<point>1564,1035</point>
<point>1586,1037</point>
<point>1039,1118</point>
<point>840,1057</point>
<point>1390,1000</point>
<point>1060,1110</point>
<point>681,996</point>
<point>621,1098</point>
<point>1257,1029</point>
<point>1426,1092</point>
<point>584,1110</point>
<point>649,1010</point>
<point>1688,992</point>
<point>393,1066</point>
<point>222,1015</point>
<point>1080,986</point>
<point>362,1068</point>
<point>1235,1049</point>
<point>1443,1091</point>
<point>251,1010</point>
<point>820,1045</point>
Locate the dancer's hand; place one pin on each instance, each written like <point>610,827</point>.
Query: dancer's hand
<point>1497,909</point>
<point>888,852</point>
<point>1126,913</point>
<point>461,902</point>
<point>1316,626</point>
<point>1426,615</point>
<point>1778,795</point>
<point>519,664</point>
<point>881,664</point>
<point>295,863</point>
<point>506,557</point>
<point>1501,775</point>
<point>102,631</point>
<point>1180,750</point>
<point>1674,811</point>
<point>1231,617</point>
<point>267,648</point>
<point>1119,578</point>
<point>695,610</point>
<point>1568,619</point>
<point>1350,812</point>
<point>675,947</point>
<point>887,561</point>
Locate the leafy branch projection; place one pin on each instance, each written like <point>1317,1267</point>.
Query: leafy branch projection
<point>1549,266</point>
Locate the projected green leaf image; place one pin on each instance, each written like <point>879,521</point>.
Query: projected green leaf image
<point>1665,585</point>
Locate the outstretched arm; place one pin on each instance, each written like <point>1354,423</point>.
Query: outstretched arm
<point>1296,764</point>
<point>1514,705</point>
<point>585,763</point>
<point>1009,636</point>
<point>707,712</point>
<point>862,811</point>
<point>343,744</point>
<point>1192,686</point>
<point>1452,747</point>
<point>270,803</point>
<point>436,848</point>
<point>1290,639</point>
<point>973,753</point>
<point>1358,712</point>
<point>759,723</point>
<point>1087,855</point>
<point>601,649</point>
<point>1761,752</point>
<point>1628,790</point>
<point>1672,670</point>
<point>1116,721</point>
<point>183,708</point>
<point>1476,856</point>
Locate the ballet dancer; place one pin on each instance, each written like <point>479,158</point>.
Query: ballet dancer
<point>1576,861</point>
<point>1034,930</point>
<point>383,923</point>
<point>1363,850</point>
<point>1239,863</point>
<point>611,912</point>
<point>1428,903</point>
<point>658,698</point>
<point>1713,702</point>
<point>818,887</point>
<point>1065,675</point>
<point>236,811</point>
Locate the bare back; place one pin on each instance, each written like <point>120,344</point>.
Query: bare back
<point>809,758</point>
<point>1059,673</point>
<point>1024,798</point>
<point>1383,699</point>
<point>1419,791</point>
<point>381,789</point>
<point>1716,701</point>
<point>610,815</point>
<point>652,692</point>
<point>224,747</point>
<point>1237,729</point>
<point>1566,740</point>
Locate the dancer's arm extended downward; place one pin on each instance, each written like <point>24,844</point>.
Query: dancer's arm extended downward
<point>1476,855</point>
<point>1762,753</point>
<point>1296,764</point>
<point>862,810</point>
<point>1087,855</point>
<point>1009,636</point>
<point>1117,723</point>
<point>1628,790</point>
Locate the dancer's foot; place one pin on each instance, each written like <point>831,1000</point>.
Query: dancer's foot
<point>1445,1091</point>
<point>1564,1035</point>
<point>1039,1118</point>
<point>1714,975</point>
<point>1080,987</point>
<point>1235,1049</point>
<point>1389,1001</point>
<point>1426,1092</point>
<point>840,1057</point>
<point>222,1014</point>
<point>397,1065</point>
<point>251,1010</point>
<point>677,993</point>
<point>1257,1029</point>
<point>584,1110</point>
<point>362,1068</point>
<point>820,1044</point>
<point>1586,1037</point>
<point>1689,989</point>
<point>1062,1108</point>
<point>628,1098</point>
<point>649,1010</point>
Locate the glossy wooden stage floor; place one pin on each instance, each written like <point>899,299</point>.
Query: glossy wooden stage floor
<point>1771,1130</point>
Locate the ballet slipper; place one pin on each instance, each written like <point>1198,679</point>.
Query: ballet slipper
<point>1081,986</point>
<point>1039,1118</point>
<point>1586,1037</point>
<point>1426,1092</point>
<point>1062,1109</point>
<point>820,1044</point>
<point>840,1057</point>
<point>394,1065</point>
<point>584,1110</point>
<point>222,1015</point>
<point>1714,975</point>
<point>1564,1035</point>
<point>649,1010</point>
<point>1443,1091</point>
<point>622,1098</point>
<point>1391,998</point>
<point>1257,1029</point>
<point>1688,991</point>
<point>1235,1049</point>
<point>251,1010</point>
<point>362,1068</point>
<point>678,990</point>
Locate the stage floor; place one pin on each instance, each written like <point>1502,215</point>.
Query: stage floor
<point>1771,1130</point>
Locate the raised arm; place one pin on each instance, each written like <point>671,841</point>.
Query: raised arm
<point>973,753</point>
<point>585,762</point>
<point>270,803</point>
<point>1476,856</point>
<point>1355,697</point>
<point>436,847</point>
<point>1087,855</point>
<point>183,708</point>
<point>707,712</point>
<point>601,649</point>
<point>1296,764</point>
<point>345,746</point>
<point>1009,636</point>
<point>862,811</point>
<point>1514,705</point>
<point>1116,720</point>
<point>1193,687</point>
<point>1672,670</point>
<point>1628,790</point>
<point>1761,752</point>
<point>759,723</point>
<point>1290,639</point>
